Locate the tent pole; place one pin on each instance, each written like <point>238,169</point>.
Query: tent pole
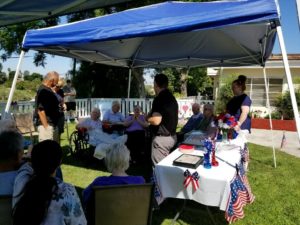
<point>13,85</point>
<point>74,69</point>
<point>298,12</point>
<point>270,116</point>
<point>128,91</point>
<point>289,79</point>
<point>129,82</point>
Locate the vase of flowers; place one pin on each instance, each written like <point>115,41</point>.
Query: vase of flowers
<point>226,124</point>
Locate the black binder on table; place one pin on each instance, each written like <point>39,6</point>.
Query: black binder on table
<point>188,161</point>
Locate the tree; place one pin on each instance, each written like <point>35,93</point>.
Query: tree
<point>11,74</point>
<point>284,104</point>
<point>3,78</point>
<point>183,82</point>
<point>225,93</point>
<point>96,80</point>
<point>199,82</point>
<point>11,38</point>
<point>26,73</point>
<point>33,76</point>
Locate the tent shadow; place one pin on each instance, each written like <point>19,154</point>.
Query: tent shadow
<point>192,213</point>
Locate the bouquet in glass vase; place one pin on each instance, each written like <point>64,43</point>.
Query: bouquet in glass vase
<point>225,124</point>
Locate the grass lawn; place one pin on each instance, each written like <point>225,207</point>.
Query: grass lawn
<point>277,190</point>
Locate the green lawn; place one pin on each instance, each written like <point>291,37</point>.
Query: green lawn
<point>277,190</point>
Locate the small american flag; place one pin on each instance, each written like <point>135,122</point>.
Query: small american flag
<point>245,153</point>
<point>283,141</point>
<point>240,196</point>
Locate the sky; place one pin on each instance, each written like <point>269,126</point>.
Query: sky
<point>289,23</point>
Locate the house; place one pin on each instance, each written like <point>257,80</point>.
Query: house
<point>255,88</point>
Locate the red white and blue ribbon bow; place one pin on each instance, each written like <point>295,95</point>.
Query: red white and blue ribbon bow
<point>191,178</point>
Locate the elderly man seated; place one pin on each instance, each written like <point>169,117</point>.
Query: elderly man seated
<point>114,116</point>
<point>113,120</point>
<point>191,123</point>
<point>97,137</point>
<point>193,120</point>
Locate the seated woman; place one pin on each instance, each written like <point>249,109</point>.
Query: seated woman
<point>208,117</point>
<point>96,134</point>
<point>117,159</point>
<point>11,154</point>
<point>135,130</point>
<point>39,197</point>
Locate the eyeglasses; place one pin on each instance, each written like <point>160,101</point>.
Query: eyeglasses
<point>206,109</point>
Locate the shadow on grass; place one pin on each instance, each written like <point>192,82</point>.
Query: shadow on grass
<point>193,213</point>
<point>86,160</point>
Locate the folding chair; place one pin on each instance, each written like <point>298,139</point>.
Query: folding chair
<point>5,209</point>
<point>24,122</point>
<point>123,205</point>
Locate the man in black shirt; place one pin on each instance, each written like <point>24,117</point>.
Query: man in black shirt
<point>163,119</point>
<point>47,108</point>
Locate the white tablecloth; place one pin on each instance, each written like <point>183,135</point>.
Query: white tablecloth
<point>214,183</point>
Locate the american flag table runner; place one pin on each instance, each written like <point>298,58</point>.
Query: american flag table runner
<point>157,192</point>
<point>240,195</point>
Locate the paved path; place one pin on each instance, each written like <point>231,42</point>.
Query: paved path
<point>264,138</point>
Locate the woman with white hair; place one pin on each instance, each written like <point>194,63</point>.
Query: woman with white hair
<point>117,159</point>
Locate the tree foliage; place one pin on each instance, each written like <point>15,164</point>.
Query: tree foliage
<point>224,93</point>
<point>95,81</point>
<point>284,104</point>
<point>11,38</point>
<point>196,81</point>
<point>3,78</point>
<point>33,76</point>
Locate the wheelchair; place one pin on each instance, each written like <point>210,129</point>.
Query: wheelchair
<point>79,145</point>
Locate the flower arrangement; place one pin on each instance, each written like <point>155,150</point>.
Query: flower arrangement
<point>226,123</point>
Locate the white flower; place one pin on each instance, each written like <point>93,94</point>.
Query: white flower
<point>225,126</point>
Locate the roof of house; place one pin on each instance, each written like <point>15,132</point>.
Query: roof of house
<point>274,57</point>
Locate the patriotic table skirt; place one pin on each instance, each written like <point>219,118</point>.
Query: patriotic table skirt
<point>225,186</point>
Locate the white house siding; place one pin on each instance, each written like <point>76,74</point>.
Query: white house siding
<point>275,75</point>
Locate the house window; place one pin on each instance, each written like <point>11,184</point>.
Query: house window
<point>255,88</point>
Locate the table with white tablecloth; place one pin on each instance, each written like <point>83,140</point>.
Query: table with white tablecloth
<point>215,184</point>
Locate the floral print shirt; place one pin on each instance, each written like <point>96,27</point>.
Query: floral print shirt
<point>65,207</point>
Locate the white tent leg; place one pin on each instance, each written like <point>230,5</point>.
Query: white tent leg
<point>298,11</point>
<point>128,92</point>
<point>270,117</point>
<point>13,85</point>
<point>129,82</point>
<point>289,79</point>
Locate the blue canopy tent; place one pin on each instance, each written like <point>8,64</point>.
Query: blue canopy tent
<point>19,11</point>
<point>171,34</point>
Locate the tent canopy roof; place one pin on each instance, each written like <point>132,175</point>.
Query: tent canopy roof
<point>180,34</point>
<point>17,11</point>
